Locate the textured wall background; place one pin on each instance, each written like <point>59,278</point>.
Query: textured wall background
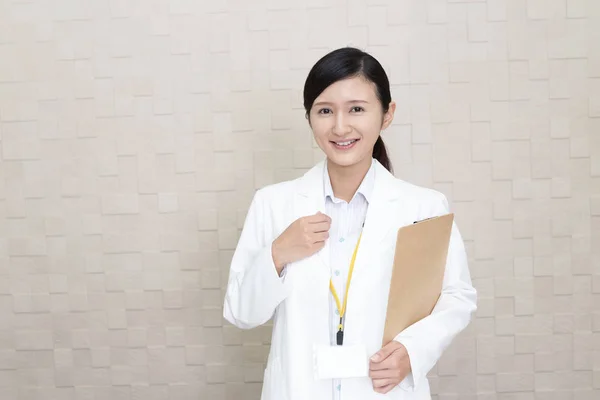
<point>133,134</point>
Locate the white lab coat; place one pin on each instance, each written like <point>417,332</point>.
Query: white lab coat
<point>298,301</point>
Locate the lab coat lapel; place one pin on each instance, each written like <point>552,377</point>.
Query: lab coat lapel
<point>310,198</point>
<point>382,215</point>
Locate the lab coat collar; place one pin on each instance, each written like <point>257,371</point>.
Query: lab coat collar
<point>385,187</point>
<point>381,213</point>
<point>365,188</point>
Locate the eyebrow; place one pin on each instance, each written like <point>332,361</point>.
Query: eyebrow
<point>327,103</point>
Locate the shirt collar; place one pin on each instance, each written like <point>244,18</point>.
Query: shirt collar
<point>365,188</point>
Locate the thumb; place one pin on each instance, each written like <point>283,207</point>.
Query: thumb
<point>383,353</point>
<point>327,216</point>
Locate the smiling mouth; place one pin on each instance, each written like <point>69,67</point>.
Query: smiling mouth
<point>345,144</point>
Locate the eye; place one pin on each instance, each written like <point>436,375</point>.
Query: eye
<point>325,111</point>
<point>357,109</point>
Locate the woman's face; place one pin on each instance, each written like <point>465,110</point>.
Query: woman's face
<point>346,120</point>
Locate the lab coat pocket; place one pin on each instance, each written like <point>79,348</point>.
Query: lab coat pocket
<point>273,382</point>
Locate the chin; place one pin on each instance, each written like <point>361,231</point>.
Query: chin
<point>346,160</point>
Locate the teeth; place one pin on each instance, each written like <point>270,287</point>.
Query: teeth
<point>345,143</point>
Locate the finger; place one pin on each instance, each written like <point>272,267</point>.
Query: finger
<point>381,383</point>
<point>318,246</point>
<point>320,237</point>
<point>320,226</point>
<point>318,217</point>
<point>387,364</point>
<point>384,389</point>
<point>391,373</point>
<point>385,351</point>
<point>382,373</point>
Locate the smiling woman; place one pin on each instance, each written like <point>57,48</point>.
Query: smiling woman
<point>347,100</point>
<point>304,240</point>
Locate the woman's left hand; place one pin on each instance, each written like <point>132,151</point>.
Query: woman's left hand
<point>389,366</point>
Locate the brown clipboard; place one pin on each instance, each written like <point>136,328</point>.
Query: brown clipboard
<point>418,273</point>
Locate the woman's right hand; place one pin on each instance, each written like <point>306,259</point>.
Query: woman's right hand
<point>303,238</point>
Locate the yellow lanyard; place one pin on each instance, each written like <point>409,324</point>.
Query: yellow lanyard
<point>342,308</point>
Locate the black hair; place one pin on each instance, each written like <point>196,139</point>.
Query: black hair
<point>344,63</point>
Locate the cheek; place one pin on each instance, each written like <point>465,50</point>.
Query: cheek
<point>369,128</point>
<point>320,128</point>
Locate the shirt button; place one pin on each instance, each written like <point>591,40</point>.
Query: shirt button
<point>339,387</point>
<point>341,240</point>
<point>337,272</point>
<point>337,312</point>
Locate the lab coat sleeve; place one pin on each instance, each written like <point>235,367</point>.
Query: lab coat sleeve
<point>254,289</point>
<point>427,339</point>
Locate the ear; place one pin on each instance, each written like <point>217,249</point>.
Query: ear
<point>307,116</point>
<point>388,117</point>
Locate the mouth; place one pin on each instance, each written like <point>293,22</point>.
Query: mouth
<point>345,145</point>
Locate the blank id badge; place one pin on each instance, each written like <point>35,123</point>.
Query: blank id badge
<point>336,362</point>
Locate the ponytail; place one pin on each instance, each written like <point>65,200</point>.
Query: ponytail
<point>380,154</point>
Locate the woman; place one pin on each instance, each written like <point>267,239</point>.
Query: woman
<point>301,238</point>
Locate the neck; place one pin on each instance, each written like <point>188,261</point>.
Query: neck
<point>346,180</point>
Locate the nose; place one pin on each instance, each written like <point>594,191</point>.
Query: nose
<point>341,126</point>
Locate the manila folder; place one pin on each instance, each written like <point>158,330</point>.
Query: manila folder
<point>417,274</point>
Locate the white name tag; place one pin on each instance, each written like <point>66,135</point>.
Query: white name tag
<point>348,361</point>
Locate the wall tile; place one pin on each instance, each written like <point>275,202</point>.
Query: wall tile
<point>132,140</point>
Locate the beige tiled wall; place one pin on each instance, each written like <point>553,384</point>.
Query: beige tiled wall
<point>134,132</point>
